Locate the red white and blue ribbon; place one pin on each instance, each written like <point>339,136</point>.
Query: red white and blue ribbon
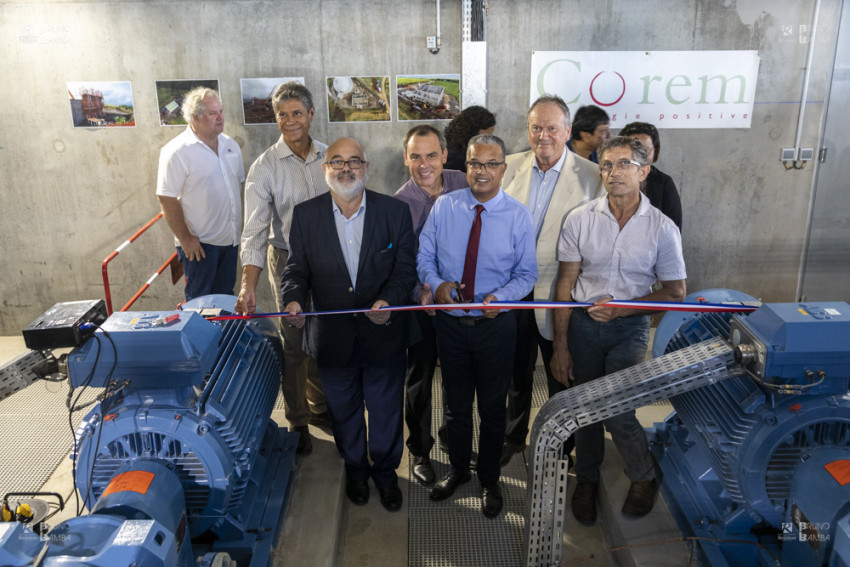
<point>648,305</point>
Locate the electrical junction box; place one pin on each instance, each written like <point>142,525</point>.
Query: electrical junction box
<point>788,154</point>
<point>59,326</point>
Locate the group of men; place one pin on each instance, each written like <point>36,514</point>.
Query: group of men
<point>539,225</point>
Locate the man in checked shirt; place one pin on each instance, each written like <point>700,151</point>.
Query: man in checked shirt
<point>286,174</point>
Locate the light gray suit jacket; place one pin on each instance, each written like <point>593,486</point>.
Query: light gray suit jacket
<point>578,183</point>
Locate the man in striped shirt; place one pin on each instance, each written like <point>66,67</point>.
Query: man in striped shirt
<point>286,174</point>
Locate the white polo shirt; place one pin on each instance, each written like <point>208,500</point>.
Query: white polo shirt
<point>207,186</point>
<point>621,264</point>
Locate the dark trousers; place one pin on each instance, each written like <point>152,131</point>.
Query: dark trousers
<point>379,388</point>
<point>476,361</point>
<point>421,363</point>
<point>215,273</point>
<point>529,340</point>
<point>599,349</point>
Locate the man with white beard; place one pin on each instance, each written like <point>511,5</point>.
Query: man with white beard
<point>353,248</point>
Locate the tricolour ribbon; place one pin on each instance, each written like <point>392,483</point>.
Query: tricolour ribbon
<point>648,305</point>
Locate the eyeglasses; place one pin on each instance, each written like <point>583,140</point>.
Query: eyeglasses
<point>489,166</point>
<point>607,166</point>
<point>353,163</point>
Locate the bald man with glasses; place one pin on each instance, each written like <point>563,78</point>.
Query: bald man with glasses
<point>477,246</point>
<point>353,248</point>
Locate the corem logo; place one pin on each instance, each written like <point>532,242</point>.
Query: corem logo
<point>672,89</point>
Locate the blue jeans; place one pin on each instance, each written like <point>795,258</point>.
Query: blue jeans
<point>216,273</point>
<point>599,349</point>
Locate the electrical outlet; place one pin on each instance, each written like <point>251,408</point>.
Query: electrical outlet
<point>788,154</point>
<point>431,41</point>
<point>807,154</point>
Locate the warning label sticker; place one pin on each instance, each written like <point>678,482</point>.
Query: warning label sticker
<point>135,481</point>
<point>840,470</point>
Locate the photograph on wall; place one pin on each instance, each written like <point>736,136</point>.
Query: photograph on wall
<point>170,94</point>
<point>257,98</point>
<point>100,104</point>
<point>427,97</point>
<point>358,99</point>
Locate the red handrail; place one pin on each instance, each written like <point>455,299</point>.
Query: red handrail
<point>106,290</point>
<point>149,282</point>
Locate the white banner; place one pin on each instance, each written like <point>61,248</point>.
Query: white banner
<point>670,89</point>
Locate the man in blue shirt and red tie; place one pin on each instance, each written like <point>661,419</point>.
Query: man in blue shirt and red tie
<point>477,246</point>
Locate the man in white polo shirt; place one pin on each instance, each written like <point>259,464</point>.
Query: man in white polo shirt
<point>198,186</point>
<point>614,247</point>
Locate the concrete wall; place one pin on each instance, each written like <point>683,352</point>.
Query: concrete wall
<point>69,196</point>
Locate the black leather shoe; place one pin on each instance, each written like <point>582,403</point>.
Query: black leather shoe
<point>391,498</point>
<point>446,486</point>
<point>508,451</point>
<point>641,498</point>
<point>584,503</point>
<point>305,443</point>
<point>491,499</point>
<point>422,470</point>
<point>358,491</point>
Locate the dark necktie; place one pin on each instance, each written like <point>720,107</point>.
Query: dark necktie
<point>472,256</point>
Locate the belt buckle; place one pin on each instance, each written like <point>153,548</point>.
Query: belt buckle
<point>471,320</point>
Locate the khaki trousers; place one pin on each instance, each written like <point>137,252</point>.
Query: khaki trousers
<point>300,383</point>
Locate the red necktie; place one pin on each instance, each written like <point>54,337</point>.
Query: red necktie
<point>472,256</point>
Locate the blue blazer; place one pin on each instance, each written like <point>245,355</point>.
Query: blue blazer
<point>315,271</point>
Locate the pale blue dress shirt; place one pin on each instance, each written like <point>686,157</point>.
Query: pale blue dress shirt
<point>350,233</point>
<point>507,264</point>
<point>540,191</point>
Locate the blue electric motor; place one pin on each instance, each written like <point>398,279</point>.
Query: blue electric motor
<point>140,520</point>
<point>182,445</point>
<point>758,467</point>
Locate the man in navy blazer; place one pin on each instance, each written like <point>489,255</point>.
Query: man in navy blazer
<point>353,249</point>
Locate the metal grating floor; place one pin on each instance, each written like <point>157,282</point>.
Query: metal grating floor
<point>454,533</point>
<point>35,435</point>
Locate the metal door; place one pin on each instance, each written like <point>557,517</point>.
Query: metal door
<point>826,264</point>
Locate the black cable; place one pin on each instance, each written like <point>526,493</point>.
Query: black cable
<point>75,407</point>
<point>99,425</point>
<point>70,402</point>
<point>85,405</point>
<point>94,457</point>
